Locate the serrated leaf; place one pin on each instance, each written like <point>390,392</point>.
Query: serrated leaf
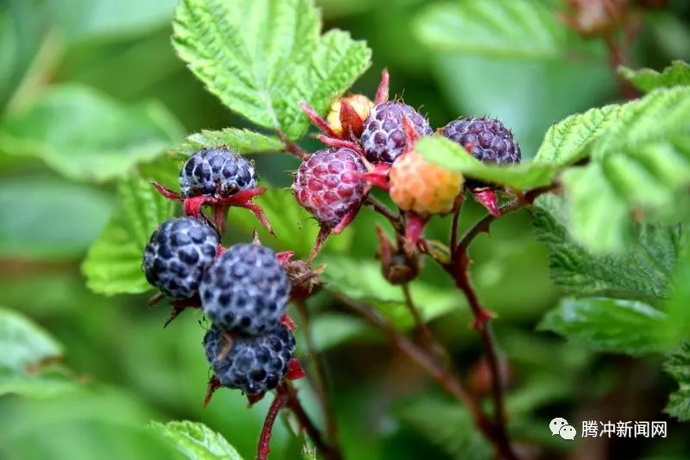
<point>262,58</point>
<point>511,29</point>
<point>677,325</point>
<point>42,218</point>
<point>646,80</point>
<point>85,135</point>
<point>639,166</point>
<point>619,326</point>
<point>566,142</point>
<point>113,264</point>
<point>454,157</point>
<point>197,441</point>
<point>362,281</point>
<point>240,140</point>
<point>295,228</point>
<point>643,272</point>
<point>24,349</point>
<point>448,426</point>
<point>678,365</point>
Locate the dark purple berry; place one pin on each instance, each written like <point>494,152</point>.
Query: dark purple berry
<point>327,187</point>
<point>383,138</point>
<point>177,254</point>
<point>245,289</point>
<point>485,138</point>
<point>253,364</point>
<point>215,171</point>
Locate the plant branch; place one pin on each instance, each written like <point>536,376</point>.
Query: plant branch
<point>320,382</point>
<point>291,147</point>
<point>427,338</point>
<point>263,449</point>
<point>382,209</point>
<point>455,223</point>
<point>306,423</point>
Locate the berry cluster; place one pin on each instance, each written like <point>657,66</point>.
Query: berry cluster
<point>372,143</point>
<point>243,290</point>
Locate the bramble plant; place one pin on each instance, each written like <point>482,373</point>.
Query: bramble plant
<point>607,191</point>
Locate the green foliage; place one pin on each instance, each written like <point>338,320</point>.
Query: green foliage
<point>617,326</point>
<point>448,426</point>
<point>59,129</point>
<point>197,441</point>
<point>262,58</point>
<point>677,326</point>
<point>113,264</point>
<point>23,202</point>
<point>240,140</point>
<point>25,351</point>
<point>646,80</point>
<point>641,273</point>
<point>362,281</point>
<point>513,29</point>
<point>678,365</point>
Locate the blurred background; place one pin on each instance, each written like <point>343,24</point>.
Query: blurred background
<point>76,74</point>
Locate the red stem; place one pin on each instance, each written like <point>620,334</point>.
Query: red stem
<point>263,448</point>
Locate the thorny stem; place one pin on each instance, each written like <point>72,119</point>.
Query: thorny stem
<point>306,423</point>
<point>263,449</point>
<point>321,381</point>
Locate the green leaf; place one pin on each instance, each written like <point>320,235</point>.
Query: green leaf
<point>262,58</point>
<point>566,142</point>
<point>240,140</point>
<point>619,326</point>
<point>639,165</point>
<point>678,365</point>
<point>454,157</point>
<point>646,80</point>
<point>25,349</point>
<point>448,426</point>
<point>85,135</point>
<point>643,272</point>
<point>677,325</point>
<point>43,218</point>
<point>362,281</point>
<point>295,228</point>
<point>113,264</point>
<point>511,29</point>
<point>197,441</point>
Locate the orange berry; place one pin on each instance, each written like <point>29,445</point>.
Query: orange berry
<point>359,102</point>
<point>422,187</point>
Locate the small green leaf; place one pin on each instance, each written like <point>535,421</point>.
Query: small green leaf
<point>677,326</point>
<point>240,140</point>
<point>25,349</point>
<point>566,142</point>
<point>643,272</point>
<point>362,281</point>
<point>646,80</point>
<point>678,365</point>
<point>618,326</point>
<point>44,218</point>
<point>85,135</point>
<point>510,29</point>
<point>260,58</point>
<point>448,426</point>
<point>197,441</point>
<point>454,157</point>
<point>295,228</point>
<point>113,264</point>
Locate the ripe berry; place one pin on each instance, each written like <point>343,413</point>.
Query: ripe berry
<point>485,138</point>
<point>383,138</point>
<point>361,105</point>
<point>422,187</point>
<point>253,364</point>
<point>177,254</point>
<point>216,171</point>
<point>245,289</point>
<point>327,187</point>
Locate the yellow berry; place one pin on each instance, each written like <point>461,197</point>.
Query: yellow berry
<point>359,102</point>
<point>423,187</point>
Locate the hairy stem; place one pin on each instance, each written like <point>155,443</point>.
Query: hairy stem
<point>307,424</point>
<point>263,449</point>
<point>320,382</point>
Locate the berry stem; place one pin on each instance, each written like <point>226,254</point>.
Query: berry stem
<point>425,335</point>
<point>382,209</point>
<point>293,403</point>
<point>456,221</point>
<point>291,147</point>
<point>320,383</point>
<point>263,448</point>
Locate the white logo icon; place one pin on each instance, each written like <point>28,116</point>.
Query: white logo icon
<point>560,426</point>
